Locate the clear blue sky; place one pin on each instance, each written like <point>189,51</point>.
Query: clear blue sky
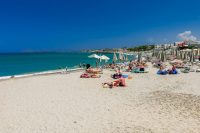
<point>34,25</point>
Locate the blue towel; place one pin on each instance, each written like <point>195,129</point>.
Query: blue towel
<point>125,76</point>
<point>164,72</point>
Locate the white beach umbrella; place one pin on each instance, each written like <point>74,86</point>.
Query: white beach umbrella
<point>103,57</point>
<point>94,56</point>
<point>126,58</point>
<point>120,57</point>
<point>139,57</point>
<point>106,58</point>
<point>114,57</point>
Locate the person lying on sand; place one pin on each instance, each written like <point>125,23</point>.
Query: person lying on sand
<point>116,83</point>
<point>162,71</point>
<point>173,70</point>
<point>86,75</point>
<point>94,70</point>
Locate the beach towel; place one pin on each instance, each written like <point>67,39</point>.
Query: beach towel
<point>164,72</point>
<point>173,72</point>
<point>125,76</point>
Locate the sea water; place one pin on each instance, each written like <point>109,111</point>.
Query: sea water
<point>25,63</point>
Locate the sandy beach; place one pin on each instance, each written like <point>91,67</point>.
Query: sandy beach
<point>64,103</point>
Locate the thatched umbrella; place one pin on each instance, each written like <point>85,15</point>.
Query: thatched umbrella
<point>191,56</point>
<point>114,57</point>
<point>159,55</point>
<point>185,55</point>
<point>176,52</point>
<point>153,53</point>
<point>182,54</point>
<point>198,53</point>
<point>171,51</point>
<point>163,56</point>
<point>126,58</point>
<point>139,57</point>
<point>121,56</point>
<point>188,55</point>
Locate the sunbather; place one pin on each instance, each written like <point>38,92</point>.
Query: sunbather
<point>116,83</point>
<point>94,70</point>
<point>118,74</point>
<point>173,70</point>
<point>86,75</point>
<point>162,71</point>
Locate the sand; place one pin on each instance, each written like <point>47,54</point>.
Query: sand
<point>64,103</point>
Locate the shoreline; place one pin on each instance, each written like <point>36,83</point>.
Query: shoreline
<point>2,78</point>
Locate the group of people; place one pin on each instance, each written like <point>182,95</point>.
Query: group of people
<point>119,79</point>
<point>91,72</point>
<point>163,71</point>
<point>137,67</point>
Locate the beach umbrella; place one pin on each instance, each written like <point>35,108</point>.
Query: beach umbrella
<point>94,56</point>
<point>126,58</point>
<point>159,55</point>
<point>139,57</point>
<point>198,53</point>
<point>188,56</point>
<point>103,57</point>
<point>120,56</point>
<point>172,51</point>
<point>163,56</point>
<point>191,56</point>
<point>114,57</point>
<point>182,54</point>
<point>153,53</point>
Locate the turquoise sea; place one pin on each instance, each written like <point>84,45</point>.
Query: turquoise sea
<point>23,63</point>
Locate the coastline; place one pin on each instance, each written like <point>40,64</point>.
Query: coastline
<point>39,73</point>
